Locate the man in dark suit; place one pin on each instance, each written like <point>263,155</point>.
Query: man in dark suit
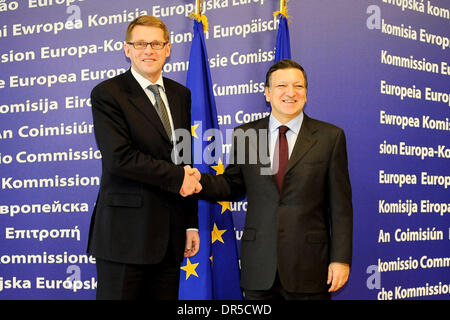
<point>141,225</point>
<point>297,239</point>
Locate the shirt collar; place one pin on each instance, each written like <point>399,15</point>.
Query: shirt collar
<point>144,83</point>
<point>294,125</point>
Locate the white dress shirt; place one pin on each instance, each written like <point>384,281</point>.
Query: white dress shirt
<point>144,83</point>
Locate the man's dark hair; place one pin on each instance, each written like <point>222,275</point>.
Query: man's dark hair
<point>285,64</point>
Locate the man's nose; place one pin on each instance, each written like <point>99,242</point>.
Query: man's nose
<point>148,49</point>
<point>290,90</point>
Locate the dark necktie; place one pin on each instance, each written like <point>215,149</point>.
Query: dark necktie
<point>161,110</point>
<point>281,156</point>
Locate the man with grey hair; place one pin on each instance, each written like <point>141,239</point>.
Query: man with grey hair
<point>297,239</point>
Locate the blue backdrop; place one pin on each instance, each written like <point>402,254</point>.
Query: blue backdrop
<point>376,68</point>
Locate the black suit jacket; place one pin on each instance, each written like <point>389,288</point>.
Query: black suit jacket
<point>138,211</point>
<point>305,227</point>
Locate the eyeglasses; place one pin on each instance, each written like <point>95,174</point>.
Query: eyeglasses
<point>142,45</point>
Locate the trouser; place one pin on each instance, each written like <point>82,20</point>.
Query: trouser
<point>277,292</point>
<point>120,281</point>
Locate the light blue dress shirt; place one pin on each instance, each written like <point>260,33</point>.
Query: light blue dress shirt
<point>291,135</point>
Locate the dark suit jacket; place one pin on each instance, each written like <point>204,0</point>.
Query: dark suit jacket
<point>300,231</point>
<point>138,211</point>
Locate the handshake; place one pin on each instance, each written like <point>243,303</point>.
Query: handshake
<point>191,182</point>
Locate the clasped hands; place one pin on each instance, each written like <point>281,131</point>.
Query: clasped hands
<point>191,182</point>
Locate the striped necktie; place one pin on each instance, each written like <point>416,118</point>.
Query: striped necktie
<point>160,108</point>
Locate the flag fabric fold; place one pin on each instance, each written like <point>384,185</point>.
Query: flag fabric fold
<point>283,43</point>
<point>213,273</point>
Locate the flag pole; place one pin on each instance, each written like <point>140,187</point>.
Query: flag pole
<point>198,7</point>
<point>283,10</point>
<point>197,14</point>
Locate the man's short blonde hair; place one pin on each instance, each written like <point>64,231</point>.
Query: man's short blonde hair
<point>148,21</point>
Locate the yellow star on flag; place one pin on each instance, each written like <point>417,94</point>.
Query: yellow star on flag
<point>190,269</point>
<point>193,128</point>
<point>225,206</point>
<point>216,234</point>
<point>219,168</point>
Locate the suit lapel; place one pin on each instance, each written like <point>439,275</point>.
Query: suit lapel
<point>263,140</point>
<point>266,138</point>
<point>142,103</point>
<point>174,104</point>
<point>304,142</point>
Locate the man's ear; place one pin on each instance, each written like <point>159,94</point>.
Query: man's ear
<point>267,93</point>
<point>168,49</point>
<point>126,49</point>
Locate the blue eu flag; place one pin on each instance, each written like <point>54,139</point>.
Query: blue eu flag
<point>283,45</point>
<point>213,273</point>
